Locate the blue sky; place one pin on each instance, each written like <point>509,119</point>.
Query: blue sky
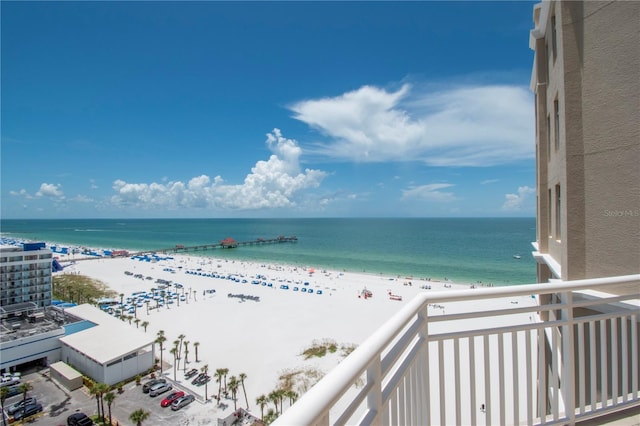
<point>265,109</point>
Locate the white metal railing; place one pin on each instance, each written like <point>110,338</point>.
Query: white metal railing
<point>502,366</point>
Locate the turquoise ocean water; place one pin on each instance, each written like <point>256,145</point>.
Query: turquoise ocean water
<point>463,250</point>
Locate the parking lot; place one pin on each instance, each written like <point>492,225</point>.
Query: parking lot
<point>59,403</point>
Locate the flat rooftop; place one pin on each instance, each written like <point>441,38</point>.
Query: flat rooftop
<point>91,342</point>
<point>25,319</point>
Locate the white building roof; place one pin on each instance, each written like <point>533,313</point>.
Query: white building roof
<point>66,370</point>
<point>109,340</point>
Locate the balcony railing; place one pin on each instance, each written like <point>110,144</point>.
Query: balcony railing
<point>571,356</point>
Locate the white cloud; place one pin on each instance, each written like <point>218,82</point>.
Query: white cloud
<point>22,193</point>
<point>488,181</point>
<point>275,183</point>
<point>461,126</point>
<point>50,190</point>
<point>429,192</point>
<point>521,200</point>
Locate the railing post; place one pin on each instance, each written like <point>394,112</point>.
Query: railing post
<point>568,359</point>
<point>374,397</point>
<point>425,408</point>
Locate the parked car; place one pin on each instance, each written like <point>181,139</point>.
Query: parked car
<point>171,397</point>
<point>79,419</point>
<point>181,402</point>
<point>9,381</point>
<point>13,390</point>
<point>150,383</point>
<point>29,410</point>
<point>159,388</point>
<point>12,409</point>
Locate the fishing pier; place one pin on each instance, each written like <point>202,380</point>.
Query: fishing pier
<point>227,243</point>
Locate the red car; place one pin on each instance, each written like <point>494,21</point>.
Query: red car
<point>171,397</point>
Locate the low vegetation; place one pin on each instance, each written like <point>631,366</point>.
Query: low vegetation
<point>299,380</point>
<point>79,289</point>
<point>320,348</point>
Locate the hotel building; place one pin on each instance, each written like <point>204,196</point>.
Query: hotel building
<point>25,275</point>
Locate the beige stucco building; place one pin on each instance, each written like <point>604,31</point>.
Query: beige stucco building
<point>586,81</point>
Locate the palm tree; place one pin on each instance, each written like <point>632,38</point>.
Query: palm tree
<point>274,397</point>
<point>219,374</point>
<point>225,371</point>
<point>121,296</point>
<point>139,416</point>
<point>95,390</point>
<point>129,317</point>
<point>176,344</point>
<point>186,355</point>
<point>233,387</point>
<point>103,388</point>
<point>281,398</point>
<point>243,376</point>
<point>181,338</point>
<point>195,345</point>
<point>262,402</point>
<point>4,394</point>
<point>24,389</point>
<point>137,321</point>
<point>160,340</point>
<point>109,397</point>
<point>292,395</point>
<point>144,325</point>
<point>205,370</point>
<point>174,352</point>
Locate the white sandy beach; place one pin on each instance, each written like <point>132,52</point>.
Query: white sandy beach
<point>261,338</point>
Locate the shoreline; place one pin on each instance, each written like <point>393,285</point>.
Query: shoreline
<point>263,333</point>
<point>499,271</point>
<point>210,254</point>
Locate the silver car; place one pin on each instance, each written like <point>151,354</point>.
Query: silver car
<point>12,409</point>
<point>159,388</point>
<point>181,402</point>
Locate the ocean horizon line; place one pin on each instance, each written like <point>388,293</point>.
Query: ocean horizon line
<point>271,218</point>
<point>495,250</point>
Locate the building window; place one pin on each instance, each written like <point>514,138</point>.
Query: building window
<point>554,38</point>
<point>547,59</point>
<point>548,137</point>
<point>556,111</point>
<point>131,355</point>
<point>558,214</point>
<point>549,204</point>
<point>535,113</point>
